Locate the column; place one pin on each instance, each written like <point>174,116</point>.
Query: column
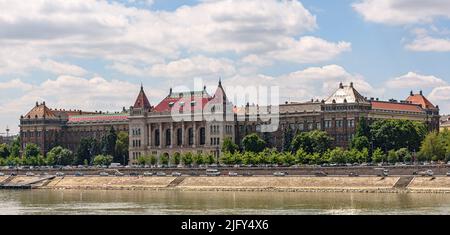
<point>150,135</point>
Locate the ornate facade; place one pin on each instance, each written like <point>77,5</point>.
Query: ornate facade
<point>48,128</point>
<point>157,130</point>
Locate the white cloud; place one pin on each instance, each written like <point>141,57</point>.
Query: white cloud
<point>400,12</point>
<point>312,82</point>
<point>428,43</point>
<point>441,96</point>
<point>413,80</point>
<point>14,84</point>
<point>136,37</point>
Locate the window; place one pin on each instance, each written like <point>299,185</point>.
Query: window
<point>179,136</point>
<point>327,124</point>
<point>157,140</point>
<point>351,123</point>
<point>202,136</point>
<point>168,137</point>
<point>191,136</point>
<point>338,123</point>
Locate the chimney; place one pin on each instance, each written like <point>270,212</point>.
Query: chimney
<point>411,93</point>
<point>341,86</point>
<point>421,92</point>
<point>37,103</point>
<point>351,84</point>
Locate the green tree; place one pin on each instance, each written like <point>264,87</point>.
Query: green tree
<point>301,157</point>
<point>198,159</point>
<point>287,139</point>
<point>176,158</point>
<point>404,155</point>
<point>312,142</point>
<point>392,156</point>
<point>378,155</point>
<point>121,148</point>
<point>164,159</point>
<point>103,160</point>
<point>337,155</point>
<point>187,158</point>
<point>31,150</point>
<point>395,134</point>
<point>252,143</point>
<point>229,146</point>
<point>360,142</point>
<point>88,148</point>
<point>4,151</point>
<point>60,156</point>
<point>209,159</point>
<point>433,148</point>
<point>108,143</point>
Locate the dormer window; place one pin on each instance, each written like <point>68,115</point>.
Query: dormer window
<point>193,103</point>
<point>171,104</point>
<point>181,103</point>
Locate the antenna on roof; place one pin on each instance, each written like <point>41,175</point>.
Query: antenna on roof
<point>220,81</point>
<point>142,86</point>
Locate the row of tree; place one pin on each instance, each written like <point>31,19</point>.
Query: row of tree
<point>112,148</point>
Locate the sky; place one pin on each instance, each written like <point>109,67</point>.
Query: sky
<point>93,55</point>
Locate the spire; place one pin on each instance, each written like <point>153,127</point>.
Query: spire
<point>220,82</point>
<point>141,100</point>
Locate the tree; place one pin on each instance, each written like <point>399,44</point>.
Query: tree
<point>121,148</point>
<point>432,148</point>
<point>198,159</point>
<point>360,142</point>
<point>229,146</point>
<point>108,145</point>
<point>187,158</point>
<point>378,155</point>
<point>103,160</point>
<point>395,134</point>
<point>60,156</point>
<point>15,148</point>
<point>4,151</point>
<point>88,148</point>
<point>176,158</point>
<point>164,159</point>
<point>252,143</point>
<point>392,156</point>
<point>404,155</point>
<point>312,142</point>
<point>209,159</point>
<point>337,155</point>
<point>31,150</point>
<point>287,139</point>
<point>301,157</point>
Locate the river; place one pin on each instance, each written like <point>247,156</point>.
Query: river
<point>182,202</point>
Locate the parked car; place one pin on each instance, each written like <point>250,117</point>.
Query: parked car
<point>353,174</point>
<point>59,174</point>
<point>104,174</point>
<point>134,174</point>
<point>426,173</point>
<point>148,174</point>
<point>160,174</point>
<point>279,173</point>
<point>79,174</point>
<point>232,173</point>
<point>2,174</point>
<point>176,174</point>
<point>247,174</point>
<point>119,174</point>
<point>212,172</point>
<point>448,173</point>
<point>29,174</point>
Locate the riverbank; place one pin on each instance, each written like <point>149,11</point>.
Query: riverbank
<point>369,184</point>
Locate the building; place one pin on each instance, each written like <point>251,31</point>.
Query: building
<point>52,127</point>
<point>192,121</point>
<point>445,122</point>
<point>158,130</point>
<point>195,121</point>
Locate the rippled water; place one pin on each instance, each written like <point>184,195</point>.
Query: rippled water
<point>178,202</point>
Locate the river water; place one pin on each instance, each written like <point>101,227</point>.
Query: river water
<point>179,202</point>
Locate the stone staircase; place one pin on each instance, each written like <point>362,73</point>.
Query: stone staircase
<point>403,182</point>
<point>177,181</point>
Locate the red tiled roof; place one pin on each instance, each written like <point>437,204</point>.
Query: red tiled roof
<point>396,106</point>
<point>99,118</point>
<point>40,111</point>
<point>168,103</point>
<point>420,100</point>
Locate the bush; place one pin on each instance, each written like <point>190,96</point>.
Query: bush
<point>102,160</point>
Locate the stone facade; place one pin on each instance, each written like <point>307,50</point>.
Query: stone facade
<point>48,128</point>
<point>157,130</point>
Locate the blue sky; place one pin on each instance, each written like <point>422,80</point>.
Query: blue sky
<point>93,55</point>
